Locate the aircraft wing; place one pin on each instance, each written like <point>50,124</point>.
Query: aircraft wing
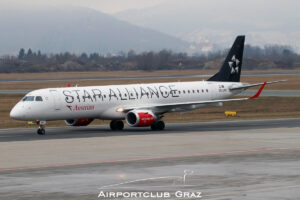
<point>169,107</point>
<point>253,85</point>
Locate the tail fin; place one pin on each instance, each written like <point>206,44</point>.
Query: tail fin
<point>231,68</point>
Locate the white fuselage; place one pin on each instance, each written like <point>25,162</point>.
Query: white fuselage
<point>103,102</point>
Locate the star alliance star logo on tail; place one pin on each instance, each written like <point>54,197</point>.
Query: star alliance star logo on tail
<point>234,65</point>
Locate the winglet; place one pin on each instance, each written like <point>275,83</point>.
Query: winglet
<point>259,91</point>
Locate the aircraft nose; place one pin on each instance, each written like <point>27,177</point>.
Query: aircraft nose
<point>16,113</point>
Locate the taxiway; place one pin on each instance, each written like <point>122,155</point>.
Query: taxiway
<point>257,159</point>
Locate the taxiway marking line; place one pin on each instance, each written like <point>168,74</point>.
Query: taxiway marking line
<point>150,158</point>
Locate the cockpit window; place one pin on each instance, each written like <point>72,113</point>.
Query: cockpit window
<point>28,98</point>
<point>38,98</point>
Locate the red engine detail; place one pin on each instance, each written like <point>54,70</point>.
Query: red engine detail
<point>79,122</point>
<point>146,119</point>
<point>140,118</point>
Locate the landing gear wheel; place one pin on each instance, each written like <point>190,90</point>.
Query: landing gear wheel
<point>41,131</point>
<point>158,126</point>
<point>116,125</point>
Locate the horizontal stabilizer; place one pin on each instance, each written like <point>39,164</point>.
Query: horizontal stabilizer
<point>256,84</point>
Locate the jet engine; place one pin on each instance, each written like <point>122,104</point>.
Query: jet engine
<point>78,122</point>
<point>140,118</point>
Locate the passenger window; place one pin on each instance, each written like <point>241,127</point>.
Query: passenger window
<point>38,98</point>
<point>202,90</point>
<point>206,90</point>
<point>193,91</point>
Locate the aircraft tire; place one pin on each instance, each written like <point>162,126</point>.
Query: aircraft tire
<point>41,131</point>
<point>153,127</point>
<point>116,125</point>
<point>158,126</point>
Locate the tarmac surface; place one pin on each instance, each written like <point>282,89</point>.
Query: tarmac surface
<point>258,159</point>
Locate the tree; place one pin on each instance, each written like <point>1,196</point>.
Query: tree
<point>146,61</point>
<point>94,57</point>
<point>131,55</point>
<point>288,58</point>
<point>21,55</point>
<point>29,52</point>
<point>83,58</point>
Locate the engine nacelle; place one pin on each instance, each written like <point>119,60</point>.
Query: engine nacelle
<point>78,122</point>
<point>140,118</point>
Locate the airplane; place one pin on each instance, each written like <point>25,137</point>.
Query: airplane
<point>140,105</point>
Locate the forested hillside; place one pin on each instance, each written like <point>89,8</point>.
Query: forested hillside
<point>269,57</point>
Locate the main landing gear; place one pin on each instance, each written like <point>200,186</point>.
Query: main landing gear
<point>116,125</point>
<point>158,126</point>
<point>41,129</point>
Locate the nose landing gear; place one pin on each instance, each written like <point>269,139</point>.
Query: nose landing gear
<point>41,129</point>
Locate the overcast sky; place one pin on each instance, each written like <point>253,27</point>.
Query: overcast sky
<point>107,6</point>
<point>263,21</point>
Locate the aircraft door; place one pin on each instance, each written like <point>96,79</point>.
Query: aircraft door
<point>56,99</point>
<point>212,90</point>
